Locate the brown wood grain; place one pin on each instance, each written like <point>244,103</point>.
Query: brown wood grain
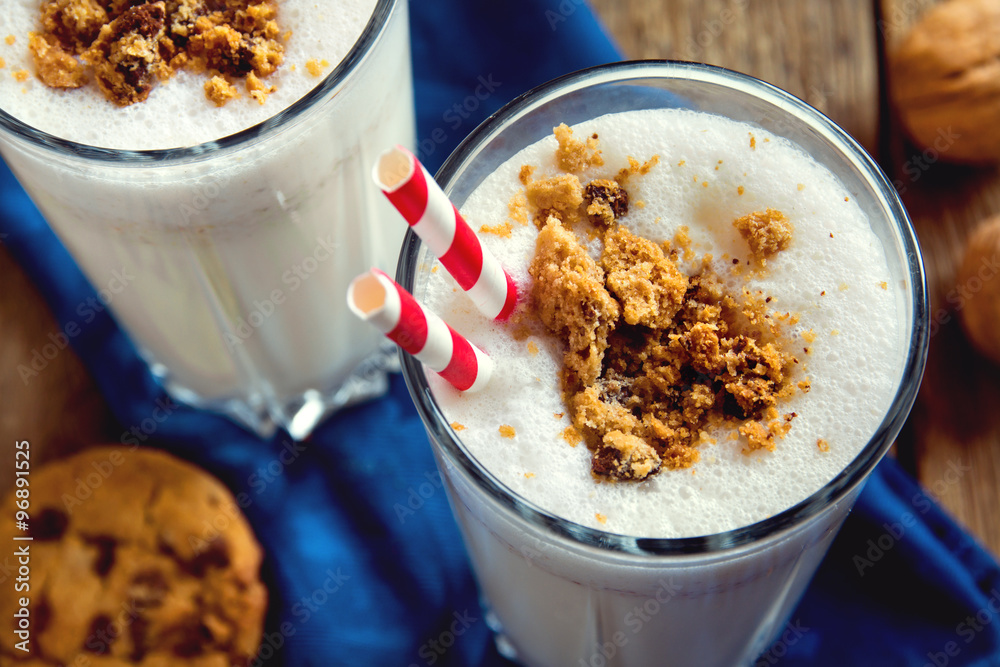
<point>956,422</point>
<point>59,410</point>
<point>823,52</point>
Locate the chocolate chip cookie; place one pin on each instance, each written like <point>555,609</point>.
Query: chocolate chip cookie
<point>137,558</point>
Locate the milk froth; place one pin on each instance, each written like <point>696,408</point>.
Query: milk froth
<point>177,112</point>
<point>834,277</point>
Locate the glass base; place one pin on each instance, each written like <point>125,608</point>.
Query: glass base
<point>300,414</point>
<point>504,646</point>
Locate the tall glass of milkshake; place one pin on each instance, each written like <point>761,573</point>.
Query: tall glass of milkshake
<point>225,232</point>
<point>660,545</point>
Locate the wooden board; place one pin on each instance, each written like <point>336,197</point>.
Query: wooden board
<point>59,410</point>
<point>956,423</point>
<point>823,52</point>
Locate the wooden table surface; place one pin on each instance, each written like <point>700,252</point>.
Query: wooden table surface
<point>830,53</point>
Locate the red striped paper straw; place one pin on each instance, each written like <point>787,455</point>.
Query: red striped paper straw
<point>378,299</point>
<point>426,208</point>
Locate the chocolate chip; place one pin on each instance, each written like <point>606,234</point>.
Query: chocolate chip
<point>190,646</point>
<point>105,554</point>
<point>43,614</point>
<point>215,555</point>
<point>100,636</point>
<point>148,589</point>
<point>138,631</point>
<point>608,194</point>
<point>49,525</point>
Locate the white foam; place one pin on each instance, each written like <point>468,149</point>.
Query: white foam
<point>176,112</point>
<point>853,371</point>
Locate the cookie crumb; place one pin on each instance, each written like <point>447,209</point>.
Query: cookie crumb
<point>126,56</point>
<point>753,142</point>
<point>529,475</point>
<point>503,230</point>
<point>315,67</point>
<point>521,331</point>
<point>571,435</point>
<point>21,75</point>
<point>517,208</point>
<point>455,426</point>
<point>257,89</point>
<point>532,348</point>
<point>507,431</point>
<point>740,190</point>
<point>801,187</point>
<point>526,173</point>
<point>219,91</point>
<point>55,67</point>
<point>10,39</point>
<point>636,168</point>
<point>600,518</point>
<point>768,232</point>
<point>573,155</point>
<point>822,445</point>
<point>884,285</point>
<point>681,238</point>
<point>758,437</point>
<point>606,201</point>
<point>559,196</point>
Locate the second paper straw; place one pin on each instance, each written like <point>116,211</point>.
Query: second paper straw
<point>378,299</point>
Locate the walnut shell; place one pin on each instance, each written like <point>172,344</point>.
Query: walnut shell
<point>946,81</point>
<point>979,288</point>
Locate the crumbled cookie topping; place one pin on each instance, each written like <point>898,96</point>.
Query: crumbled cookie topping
<point>606,201</point>
<point>573,155</point>
<point>653,357</point>
<point>129,45</point>
<point>767,232</point>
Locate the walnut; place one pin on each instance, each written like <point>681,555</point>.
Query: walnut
<point>946,81</point>
<point>979,288</point>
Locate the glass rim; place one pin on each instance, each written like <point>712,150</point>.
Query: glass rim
<point>853,474</point>
<point>336,79</point>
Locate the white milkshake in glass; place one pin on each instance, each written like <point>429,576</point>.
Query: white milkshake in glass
<point>235,227</point>
<point>700,565</point>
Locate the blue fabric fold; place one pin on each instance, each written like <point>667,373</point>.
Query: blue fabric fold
<point>363,560</point>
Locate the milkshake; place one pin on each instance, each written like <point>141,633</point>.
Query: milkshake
<point>235,226</point>
<point>702,561</point>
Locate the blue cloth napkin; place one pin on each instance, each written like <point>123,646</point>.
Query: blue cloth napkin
<point>363,559</point>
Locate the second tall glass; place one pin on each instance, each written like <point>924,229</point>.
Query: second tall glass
<point>227,262</point>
